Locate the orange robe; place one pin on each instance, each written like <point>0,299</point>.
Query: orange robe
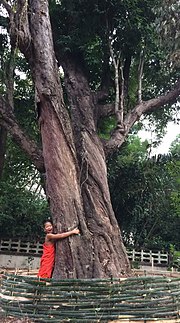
<point>47,261</point>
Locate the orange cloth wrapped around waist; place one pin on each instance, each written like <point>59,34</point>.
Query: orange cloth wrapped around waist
<point>47,261</point>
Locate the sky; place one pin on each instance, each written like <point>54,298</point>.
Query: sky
<point>171,133</point>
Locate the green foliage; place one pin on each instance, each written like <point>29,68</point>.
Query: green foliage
<point>21,213</point>
<point>106,125</point>
<point>82,28</point>
<point>23,207</point>
<point>78,22</point>
<point>142,190</point>
<point>18,169</point>
<point>168,26</point>
<point>173,170</point>
<point>174,258</point>
<point>175,146</point>
<point>24,106</point>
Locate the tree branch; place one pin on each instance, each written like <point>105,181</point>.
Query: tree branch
<point>8,66</point>
<point>8,121</point>
<point>119,136</point>
<point>19,28</point>
<point>122,96</point>
<point>8,80</point>
<point>140,74</point>
<point>156,103</point>
<point>116,62</point>
<point>126,72</point>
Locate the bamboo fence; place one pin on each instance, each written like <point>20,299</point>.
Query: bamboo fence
<point>91,300</point>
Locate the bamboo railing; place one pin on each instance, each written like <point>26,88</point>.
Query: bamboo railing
<point>91,300</point>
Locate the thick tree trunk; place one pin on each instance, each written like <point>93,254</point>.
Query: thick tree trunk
<point>61,166</point>
<point>109,255</point>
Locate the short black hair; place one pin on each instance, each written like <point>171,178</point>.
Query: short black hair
<point>47,220</point>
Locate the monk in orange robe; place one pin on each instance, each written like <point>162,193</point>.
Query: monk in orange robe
<point>48,256</point>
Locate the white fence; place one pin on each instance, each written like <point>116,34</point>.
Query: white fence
<point>20,247</point>
<point>158,258</point>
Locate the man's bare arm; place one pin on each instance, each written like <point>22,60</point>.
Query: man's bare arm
<point>56,236</point>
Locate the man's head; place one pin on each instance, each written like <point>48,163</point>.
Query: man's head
<point>48,227</point>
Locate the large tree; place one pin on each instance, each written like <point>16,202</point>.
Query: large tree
<point>73,156</point>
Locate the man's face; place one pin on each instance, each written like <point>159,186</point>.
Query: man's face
<point>48,228</point>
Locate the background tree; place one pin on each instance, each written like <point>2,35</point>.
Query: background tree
<point>74,155</point>
<point>168,27</point>
<point>173,169</point>
<point>21,213</point>
<point>144,192</point>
